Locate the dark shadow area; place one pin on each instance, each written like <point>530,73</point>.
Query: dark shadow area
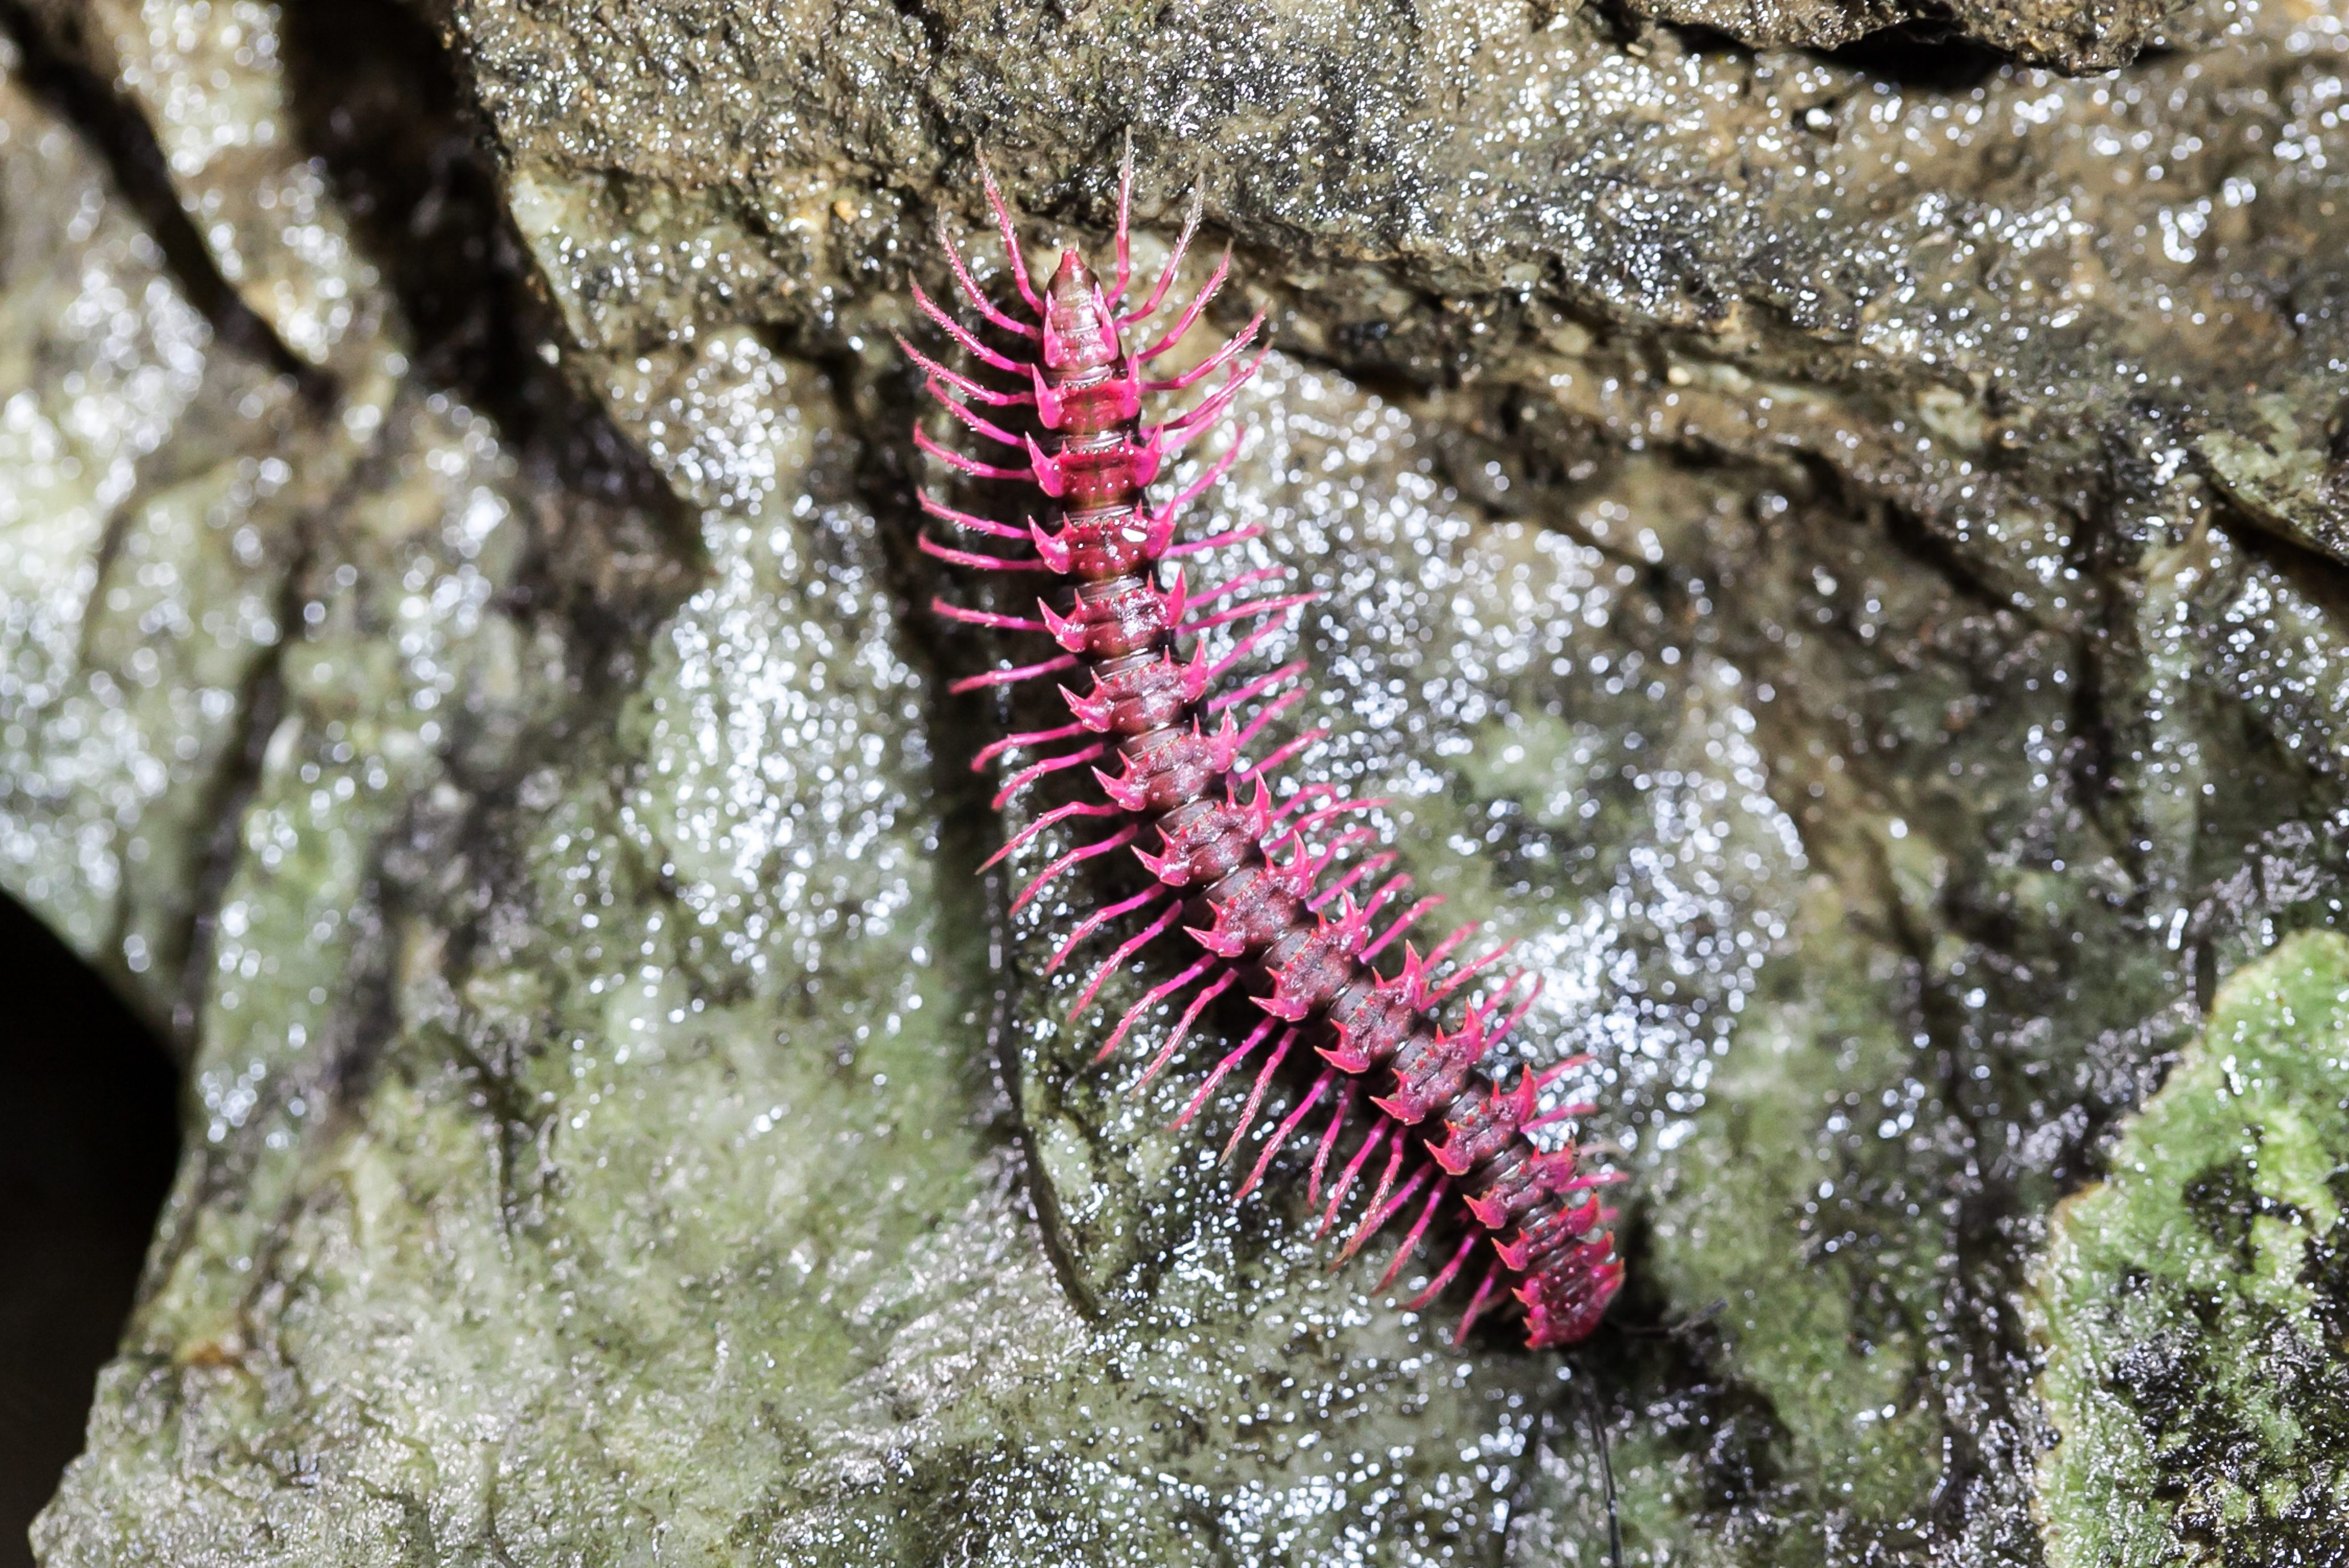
<point>88,1137</point>
<point>1920,57</point>
<point>376,99</point>
<point>1710,41</point>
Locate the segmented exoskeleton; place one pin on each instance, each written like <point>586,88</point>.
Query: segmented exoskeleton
<point>1272,904</point>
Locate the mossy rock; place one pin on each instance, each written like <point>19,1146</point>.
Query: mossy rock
<point>2194,1307</point>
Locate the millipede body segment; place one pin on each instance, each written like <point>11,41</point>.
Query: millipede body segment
<point>1277,902</point>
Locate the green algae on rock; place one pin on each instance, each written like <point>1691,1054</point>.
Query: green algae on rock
<point>2294,483</point>
<point>2192,1307</point>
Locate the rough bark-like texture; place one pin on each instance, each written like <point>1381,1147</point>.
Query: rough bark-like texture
<point>1841,553</point>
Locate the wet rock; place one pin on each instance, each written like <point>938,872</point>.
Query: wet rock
<point>2281,480</point>
<point>1798,538</point>
<point>2191,1307</point>
<point>229,134</point>
<point>2065,37</point>
<point>159,478</point>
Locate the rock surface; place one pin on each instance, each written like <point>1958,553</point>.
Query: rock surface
<point>2190,1309</point>
<point>1840,553</point>
<point>2069,37</point>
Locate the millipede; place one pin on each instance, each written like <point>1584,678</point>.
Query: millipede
<point>1283,901</point>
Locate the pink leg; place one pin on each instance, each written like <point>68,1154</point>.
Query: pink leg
<point>1075,857</point>
<point>1255,1095</point>
<point>1035,770</point>
<point>962,334</point>
<point>1444,1276</point>
<point>1264,769</point>
<point>972,557</point>
<point>1151,998</point>
<point>1124,224</point>
<point>1563,1113</point>
<point>1443,950</point>
<point>964,384</point>
<point>1177,434</point>
<point>1208,367</point>
<point>1099,918</point>
<point>1245,611</point>
<point>1057,813</point>
<point>1345,1181</point>
<point>1375,863</point>
<point>1190,312</point>
<point>1556,1070</point>
<point>1272,710</point>
<point>1281,1135</point>
<point>1010,239</point>
<point>1214,541</point>
<point>1468,972</point>
<point>1188,425</point>
<point>1182,1027</point>
<point>1476,1304</point>
<point>1314,819</point>
<point>1126,950</point>
<point>961,411</point>
<point>1395,887</point>
<point>1322,859</point>
<point>985,617</point>
<point>1173,261</point>
<point>1518,1013</point>
<point>1223,1070</point>
<point>1200,486</point>
<point>1328,1143</point>
<point>1411,1241</point>
<point>972,466</point>
<point>1305,795</point>
<point>1245,579</point>
<point>1403,923</point>
<point>1380,1212</point>
<point>970,288</point>
<point>1257,687</point>
<point>988,526</point>
<point>1372,1216</point>
<point>1027,737</point>
<point>1013,676</point>
<point>1239,650</point>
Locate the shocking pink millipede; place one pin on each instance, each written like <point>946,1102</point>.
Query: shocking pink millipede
<point>1267,907</point>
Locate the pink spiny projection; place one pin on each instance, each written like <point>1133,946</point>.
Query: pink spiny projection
<point>1266,900</point>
